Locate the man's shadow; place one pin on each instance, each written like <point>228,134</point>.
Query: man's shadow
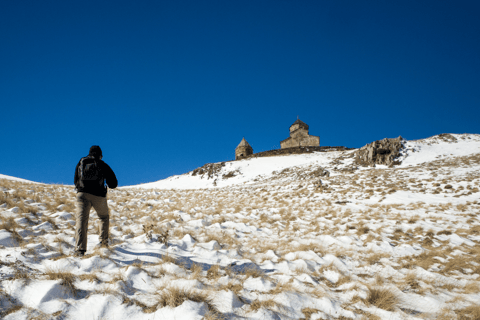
<point>187,262</point>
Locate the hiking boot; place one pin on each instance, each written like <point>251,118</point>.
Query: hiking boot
<point>103,244</point>
<point>78,253</point>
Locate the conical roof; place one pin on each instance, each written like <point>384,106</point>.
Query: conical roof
<point>243,143</point>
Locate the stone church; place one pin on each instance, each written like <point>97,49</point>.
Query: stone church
<point>299,137</point>
<point>243,149</point>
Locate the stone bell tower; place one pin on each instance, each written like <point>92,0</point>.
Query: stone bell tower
<point>243,149</point>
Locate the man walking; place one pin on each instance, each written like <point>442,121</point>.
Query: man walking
<point>91,174</point>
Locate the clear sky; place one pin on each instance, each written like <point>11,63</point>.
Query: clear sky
<point>167,86</point>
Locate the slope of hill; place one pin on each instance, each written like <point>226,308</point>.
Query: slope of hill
<point>5,177</point>
<point>255,171</point>
<point>292,237</point>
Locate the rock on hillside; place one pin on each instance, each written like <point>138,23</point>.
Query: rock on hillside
<point>385,152</point>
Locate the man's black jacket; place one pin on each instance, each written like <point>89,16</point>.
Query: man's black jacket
<point>93,187</point>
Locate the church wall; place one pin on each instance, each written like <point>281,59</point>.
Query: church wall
<point>286,143</point>
<point>299,134</point>
<point>296,150</point>
<point>300,141</point>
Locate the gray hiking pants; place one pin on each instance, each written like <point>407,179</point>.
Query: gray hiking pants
<point>85,202</point>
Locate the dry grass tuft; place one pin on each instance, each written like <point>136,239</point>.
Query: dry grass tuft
<point>196,270</point>
<point>382,298</point>
<point>267,304</point>
<point>343,280</point>
<point>126,300</point>
<point>67,278</point>
<point>214,272</point>
<point>106,291</point>
<point>253,272</point>
<point>10,225</point>
<point>363,230</point>
<point>211,315</point>
<point>375,257</point>
<point>427,242</point>
<point>471,287</point>
<point>118,276</point>
<point>6,312</point>
<point>368,316</point>
<point>50,220</point>
<point>423,260</point>
<point>163,235</point>
<point>356,298</point>
<point>21,274</point>
<point>166,258</point>
<point>413,219</point>
<point>471,313</point>
<point>173,297</point>
<point>410,281</point>
<point>445,232</point>
<point>231,286</point>
<point>6,198</point>
<point>456,264</point>
<point>91,277</point>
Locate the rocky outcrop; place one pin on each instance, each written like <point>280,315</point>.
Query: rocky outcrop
<point>210,170</point>
<point>385,152</point>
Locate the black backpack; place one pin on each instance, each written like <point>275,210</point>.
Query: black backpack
<point>89,170</point>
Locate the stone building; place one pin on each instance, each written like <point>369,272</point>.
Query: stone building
<point>299,137</point>
<point>243,149</point>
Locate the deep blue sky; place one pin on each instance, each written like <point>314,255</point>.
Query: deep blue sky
<point>167,86</point>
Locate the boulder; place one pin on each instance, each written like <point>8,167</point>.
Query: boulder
<point>320,172</point>
<point>384,152</point>
<point>211,170</point>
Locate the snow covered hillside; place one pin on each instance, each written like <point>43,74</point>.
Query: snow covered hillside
<point>255,171</point>
<point>308,236</point>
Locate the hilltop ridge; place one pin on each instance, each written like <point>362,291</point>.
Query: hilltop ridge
<point>253,170</point>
